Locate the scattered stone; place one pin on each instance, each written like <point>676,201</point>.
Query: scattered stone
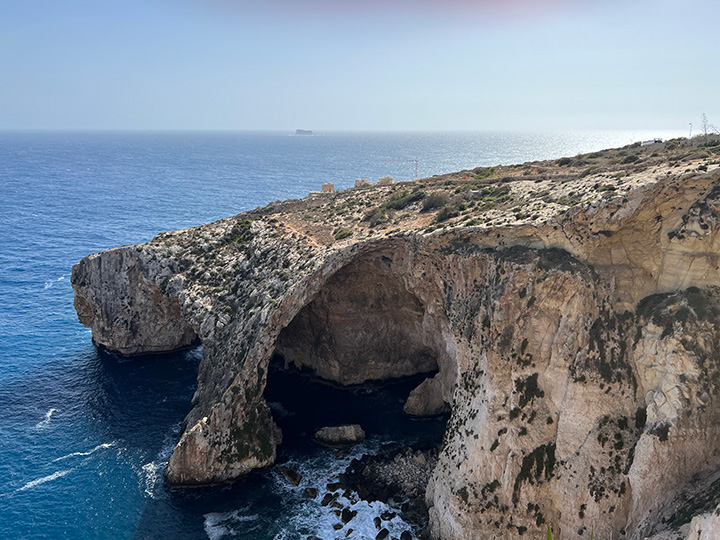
<point>335,486</point>
<point>338,526</point>
<point>406,536</point>
<point>327,499</point>
<point>400,473</point>
<point>382,535</point>
<point>396,473</point>
<point>291,475</point>
<point>348,515</point>
<point>339,436</point>
<point>310,493</point>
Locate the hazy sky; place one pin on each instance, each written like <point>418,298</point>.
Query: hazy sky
<point>377,65</point>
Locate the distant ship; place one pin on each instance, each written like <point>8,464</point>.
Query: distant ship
<point>304,132</point>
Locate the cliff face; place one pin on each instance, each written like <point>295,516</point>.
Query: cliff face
<point>576,348</point>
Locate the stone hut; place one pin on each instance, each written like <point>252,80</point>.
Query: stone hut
<point>385,181</point>
<point>362,182</point>
<point>328,188</point>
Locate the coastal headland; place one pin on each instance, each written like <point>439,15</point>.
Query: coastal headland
<point>569,310</point>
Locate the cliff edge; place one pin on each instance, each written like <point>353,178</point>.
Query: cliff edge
<point>569,307</point>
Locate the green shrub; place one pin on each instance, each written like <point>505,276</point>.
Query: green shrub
<point>446,213</point>
<point>589,171</point>
<point>403,200</point>
<point>434,200</point>
<point>493,195</point>
<point>343,233</point>
<point>483,172</point>
<point>240,235</point>
<point>632,158</point>
<point>564,162</point>
<point>568,200</point>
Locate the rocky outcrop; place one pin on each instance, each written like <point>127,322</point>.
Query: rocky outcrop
<point>427,399</point>
<point>136,316</point>
<point>576,347</point>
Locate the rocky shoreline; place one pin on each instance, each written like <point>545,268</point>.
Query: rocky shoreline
<point>397,475</point>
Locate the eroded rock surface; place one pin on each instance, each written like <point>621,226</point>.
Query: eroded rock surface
<point>576,347</point>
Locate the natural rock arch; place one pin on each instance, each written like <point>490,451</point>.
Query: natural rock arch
<point>564,385</point>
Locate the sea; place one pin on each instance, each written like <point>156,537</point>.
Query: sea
<point>84,435</point>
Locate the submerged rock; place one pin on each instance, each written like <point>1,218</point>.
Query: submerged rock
<point>348,515</point>
<point>339,436</point>
<point>291,475</point>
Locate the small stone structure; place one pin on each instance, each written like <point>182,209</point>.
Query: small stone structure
<point>385,181</point>
<point>328,188</point>
<point>362,182</point>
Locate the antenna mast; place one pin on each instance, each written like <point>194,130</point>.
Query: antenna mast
<point>415,161</point>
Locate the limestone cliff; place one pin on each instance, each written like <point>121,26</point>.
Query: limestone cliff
<point>569,308</point>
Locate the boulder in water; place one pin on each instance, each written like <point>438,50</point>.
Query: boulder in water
<point>339,436</point>
<point>291,475</point>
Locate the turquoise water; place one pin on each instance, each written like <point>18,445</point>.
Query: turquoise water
<point>83,434</point>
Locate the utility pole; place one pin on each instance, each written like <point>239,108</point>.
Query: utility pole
<point>690,136</point>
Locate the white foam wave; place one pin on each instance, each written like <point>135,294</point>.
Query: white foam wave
<point>89,452</point>
<point>46,421</point>
<point>44,479</point>
<point>50,283</point>
<point>196,353</point>
<point>220,524</point>
<point>152,472</point>
<point>313,518</point>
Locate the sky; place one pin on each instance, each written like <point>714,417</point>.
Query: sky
<point>517,65</point>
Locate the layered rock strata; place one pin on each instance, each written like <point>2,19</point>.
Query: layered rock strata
<point>576,346</point>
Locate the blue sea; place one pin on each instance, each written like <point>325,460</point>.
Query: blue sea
<point>84,435</point>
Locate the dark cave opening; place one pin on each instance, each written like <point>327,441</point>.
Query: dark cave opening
<point>302,403</point>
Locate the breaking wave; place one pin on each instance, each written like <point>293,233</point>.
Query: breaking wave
<point>45,421</point>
